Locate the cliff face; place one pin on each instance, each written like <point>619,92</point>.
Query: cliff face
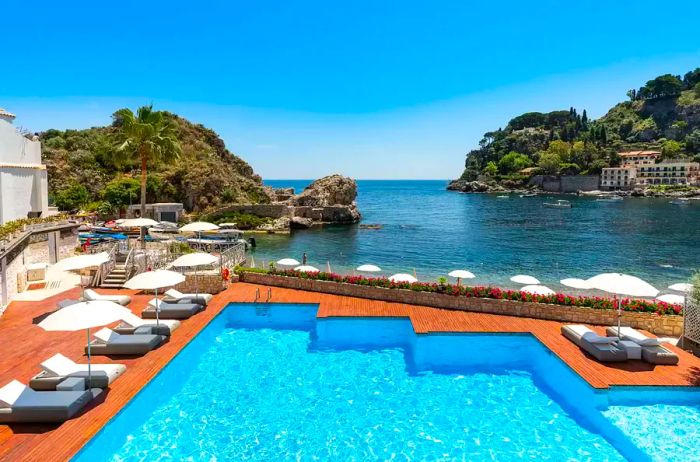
<point>206,175</point>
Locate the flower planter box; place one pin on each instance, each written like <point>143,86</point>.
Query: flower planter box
<point>660,325</point>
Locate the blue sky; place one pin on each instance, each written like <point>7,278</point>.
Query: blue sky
<point>370,89</point>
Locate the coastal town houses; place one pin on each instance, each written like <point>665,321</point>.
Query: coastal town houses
<point>641,168</point>
<point>23,180</point>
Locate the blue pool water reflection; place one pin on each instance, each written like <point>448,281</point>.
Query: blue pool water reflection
<point>271,382</point>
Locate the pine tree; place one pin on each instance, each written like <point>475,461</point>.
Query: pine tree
<point>584,118</point>
<point>603,134</point>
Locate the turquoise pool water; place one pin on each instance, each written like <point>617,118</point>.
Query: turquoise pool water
<point>272,383</point>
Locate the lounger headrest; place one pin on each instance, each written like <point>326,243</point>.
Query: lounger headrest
<point>592,337</point>
<point>105,334</point>
<point>90,293</point>
<point>648,342</point>
<point>58,365</point>
<point>173,293</point>
<point>155,303</point>
<point>10,392</point>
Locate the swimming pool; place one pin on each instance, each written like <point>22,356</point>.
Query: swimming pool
<point>272,382</point>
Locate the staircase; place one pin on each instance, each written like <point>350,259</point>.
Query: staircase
<point>116,278</point>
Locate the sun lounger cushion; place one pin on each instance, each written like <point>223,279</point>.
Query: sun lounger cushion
<point>131,323</point>
<point>58,367</point>
<point>170,310</point>
<point>42,406</point>
<point>177,296</point>
<point>108,342</point>
<point>652,351</point>
<point>593,344</point>
<point>116,298</point>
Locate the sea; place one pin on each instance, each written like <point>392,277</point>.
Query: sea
<point>428,231</point>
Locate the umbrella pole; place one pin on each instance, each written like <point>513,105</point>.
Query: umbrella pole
<point>89,383</point>
<point>619,316</point>
<point>157,308</point>
<point>196,283</point>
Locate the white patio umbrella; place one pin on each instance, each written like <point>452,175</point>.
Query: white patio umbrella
<point>195,260</point>
<point>307,269</point>
<point>368,268</point>
<point>154,280</point>
<point>198,227</point>
<point>525,279</point>
<point>681,287</point>
<point>461,274</point>
<point>622,284</point>
<point>538,290</point>
<point>576,283</point>
<point>672,298</point>
<point>80,262</point>
<point>138,223</point>
<point>402,277</point>
<point>288,262</point>
<point>84,315</point>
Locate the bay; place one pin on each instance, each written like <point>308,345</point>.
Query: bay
<point>429,230</point>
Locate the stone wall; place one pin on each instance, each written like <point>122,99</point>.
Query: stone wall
<point>260,210</point>
<point>661,325</point>
<point>207,283</point>
<point>566,183</point>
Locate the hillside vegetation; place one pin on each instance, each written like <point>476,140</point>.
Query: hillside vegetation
<point>664,114</point>
<point>84,171</point>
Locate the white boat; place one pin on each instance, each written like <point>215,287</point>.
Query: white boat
<point>560,204</point>
<point>613,198</point>
<point>501,197</point>
<point>529,195</point>
<point>680,201</point>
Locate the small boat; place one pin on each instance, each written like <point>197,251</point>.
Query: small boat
<point>613,198</point>
<point>501,197</point>
<point>529,195</point>
<point>560,204</point>
<point>225,236</point>
<point>370,226</point>
<point>680,201</point>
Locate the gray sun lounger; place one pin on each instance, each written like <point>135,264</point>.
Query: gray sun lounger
<point>108,342</point>
<point>27,405</point>
<point>601,348</point>
<point>171,310</point>
<point>652,351</point>
<point>58,368</point>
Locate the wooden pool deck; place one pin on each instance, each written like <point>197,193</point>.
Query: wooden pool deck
<point>25,345</point>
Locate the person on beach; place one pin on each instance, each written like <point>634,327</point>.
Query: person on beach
<point>303,259</point>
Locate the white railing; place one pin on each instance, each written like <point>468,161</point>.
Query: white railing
<point>691,319</point>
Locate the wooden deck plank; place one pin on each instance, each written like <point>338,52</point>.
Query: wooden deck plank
<point>25,345</point>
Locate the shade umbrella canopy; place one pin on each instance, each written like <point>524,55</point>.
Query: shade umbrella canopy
<point>288,262</point>
<point>576,283</point>
<point>461,274</point>
<point>307,269</point>
<point>138,223</point>
<point>538,290</point>
<point>82,261</point>
<point>622,284</point>
<point>525,279</point>
<point>369,268</point>
<point>402,277</point>
<point>195,259</point>
<point>681,287</point>
<point>672,298</point>
<point>152,280</point>
<point>198,226</point>
<point>84,315</point>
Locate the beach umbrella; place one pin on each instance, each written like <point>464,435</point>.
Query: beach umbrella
<point>681,287</point>
<point>80,262</point>
<point>622,284</point>
<point>672,298</point>
<point>524,279</point>
<point>198,227</point>
<point>402,277</point>
<point>307,269</point>
<point>461,274</point>
<point>538,290</point>
<point>154,280</point>
<point>368,268</point>
<point>288,262</point>
<point>138,223</point>
<point>195,260</point>
<point>84,315</point>
<point>576,283</point>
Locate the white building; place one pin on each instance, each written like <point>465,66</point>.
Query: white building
<point>615,178</point>
<point>680,172</point>
<point>638,158</point>
<point>23,181</point>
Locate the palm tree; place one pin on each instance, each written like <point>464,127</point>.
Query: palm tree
<point>149,137</point>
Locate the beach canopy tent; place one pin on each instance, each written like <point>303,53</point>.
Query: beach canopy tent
<point>622,284</point>
<point>154,280</point>
<point>681,287</point>
<point>368,268</point>
<point>85,315</point>
<point>307,269</point>
<point>198,227</point>
<point>138,223</point>
<point>575,283</point>
<point>288,262</point>
<point>402,277</point>
<point>525,279</point>
<point>537,290</point>
<point>672,298</point>
<point>461,274</point>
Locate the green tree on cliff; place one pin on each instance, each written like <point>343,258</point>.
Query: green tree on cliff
<point>147,137</point>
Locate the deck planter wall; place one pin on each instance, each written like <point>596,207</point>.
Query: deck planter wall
<point>660,325</point>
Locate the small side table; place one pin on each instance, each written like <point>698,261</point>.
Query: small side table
<point>72,384</point>
<point>634,351</point>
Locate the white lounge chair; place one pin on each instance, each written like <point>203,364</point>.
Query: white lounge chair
<point>652,351</point>
<point>108,342</point>
<point>600,347</point>
<point>173,295</point>
<point>91,295</point>
<point>58,367</point>
<point>19,403</point>
<point>132,324</point>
